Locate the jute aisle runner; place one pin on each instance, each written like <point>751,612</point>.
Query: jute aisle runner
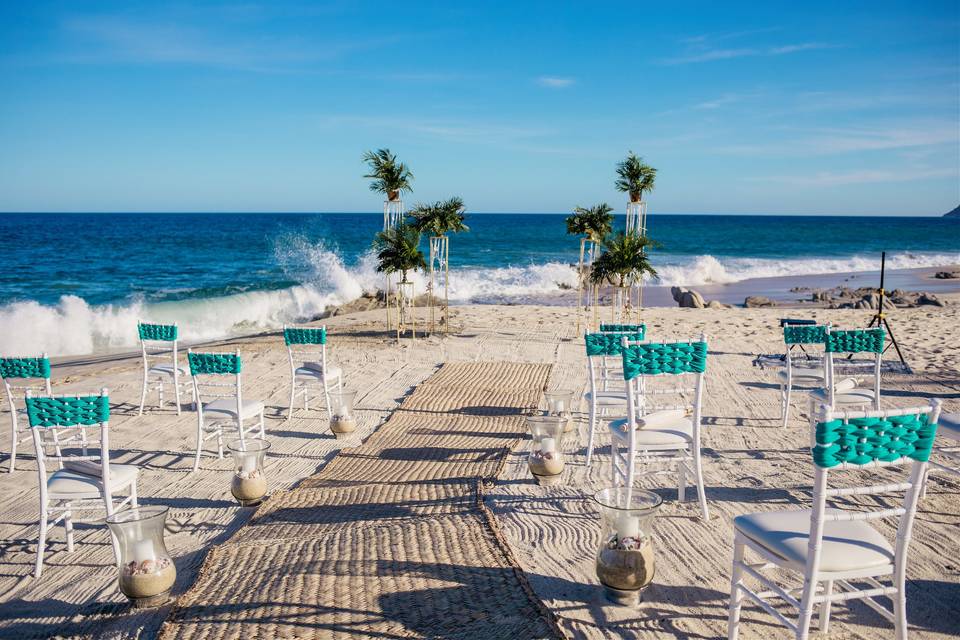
<point>391,539</point>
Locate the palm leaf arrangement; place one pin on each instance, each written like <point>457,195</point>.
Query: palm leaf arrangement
<point>398,249</point>
<point>594,222</point>
<point>439,218</point>
<point>624,260</point>
<point>389,176</point>
<point>636,177</point>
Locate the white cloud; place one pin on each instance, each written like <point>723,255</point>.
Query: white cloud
<point>555,82</point>
<point>805,46</point>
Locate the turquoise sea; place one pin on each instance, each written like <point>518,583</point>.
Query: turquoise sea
<point>76,283</point>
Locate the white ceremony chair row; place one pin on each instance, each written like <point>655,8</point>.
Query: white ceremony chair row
<point>158,343</point>
<point>309,370</point>
<point>657,433</point>
<point>605,373</point>
<point>806,372</point>
<point>848,393</point>
<point>836,551</point>
<point>220,405</point>
<point>85,480</point>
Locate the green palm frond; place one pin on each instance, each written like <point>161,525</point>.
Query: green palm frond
<point>595,222</point>
<point>388,175</point>
<point>440,217</point>
<point>398,249</point>
<point>636,177</point>
<point>624,259</point>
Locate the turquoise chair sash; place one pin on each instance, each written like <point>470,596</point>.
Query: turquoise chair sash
<point>653,359</point>
<point>863,440</point>
<point>639,329</point>
<point>300,335</point>
<point>855,341</point>
<point>67,412</point>
<point>159,332</point>
<point>804,334</point>
<point>608,344</point>
<point>24,367</point>
<point>213,363</point>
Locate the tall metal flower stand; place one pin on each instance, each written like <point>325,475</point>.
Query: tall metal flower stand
<point>392,218</point>
<point>439,278</point>
<point>406,320</point>
<point>586,292</point>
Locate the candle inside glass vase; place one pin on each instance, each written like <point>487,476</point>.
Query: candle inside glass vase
<point>625,562</point>
<point>560,405</point>
<point>546,458</point>
<point>146,570</point>
<point>249,483</point>
<point>342,417</point>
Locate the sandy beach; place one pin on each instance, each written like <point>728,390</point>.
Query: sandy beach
<point>750,463</point>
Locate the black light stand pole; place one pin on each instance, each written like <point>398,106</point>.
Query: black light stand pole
<point>880,317</point>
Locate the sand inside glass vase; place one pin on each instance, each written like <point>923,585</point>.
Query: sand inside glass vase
<point>343,424</point>
<point>249,486</point>
<point>626,564</point>
<point>545,463</point>
<point>148,578</point>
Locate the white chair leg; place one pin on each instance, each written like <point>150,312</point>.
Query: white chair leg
<point>143,393</point>
<point>900,602</point>
<point>825,608</point>
<point>13,445</point>
<point>176,387</point>
<point>68,528</point>
<point>923,483</point>
<point>736,596</point>
<point>701,489</point>
<point>134,502</point>
<point>263,434</point>
<point>41,541</point>
<point>160,392</point>
<point>806,611</point>
<point>293,390</point>
<point>787,390</point>
<point>196,460</point>
<point>681,482</point>
<point>306,397</point>
<point>590,431</point>
<point>326,397</point>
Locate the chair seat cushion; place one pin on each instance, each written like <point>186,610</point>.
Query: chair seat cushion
<point>70,482</point>
<point>672,428</point>
<point>802,375</point>
<point>851,397</point>
<point>949,426</point>
<point>608,398</point>
<point>315,370</point>
<point>166,369</point>
<point>847,545</point>
<point>227,407</point>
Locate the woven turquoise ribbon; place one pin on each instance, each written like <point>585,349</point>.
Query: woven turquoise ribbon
<point>164,332</point>
<point>296,335</point>
<point>24,367</point>
<point>658,358</point>
<point>856,341</point>
<point>67,412</point>
<point>639,329</point>
<point>213,363</point>
<point>864,440</point>
<point>608,344</point>
<point>804,334</point>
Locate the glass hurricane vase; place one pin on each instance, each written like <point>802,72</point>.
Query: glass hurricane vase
<point>146,570</point>
<point>249,482</point>
<point>625,561</point>
<point>546,458</point>
<point>560,405</point>
<point>343,420</point>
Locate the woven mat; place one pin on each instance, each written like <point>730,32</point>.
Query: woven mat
<point>391,539</point>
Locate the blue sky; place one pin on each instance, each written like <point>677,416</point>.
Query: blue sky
<point>773,107</point>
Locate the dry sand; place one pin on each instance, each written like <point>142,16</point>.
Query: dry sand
<point>750,464</point>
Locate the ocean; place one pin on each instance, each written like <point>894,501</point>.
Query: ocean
<point>77,283</point>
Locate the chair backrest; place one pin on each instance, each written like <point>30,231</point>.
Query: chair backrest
<point>49,416</point>
<point>802,335</point>
<point>13,370</point>
<point>306,343</point>
<point>207,371</point>
<point>604,351</point>
<point>158,342</point>
<point>861,441</point>
<point>854,341</point>
<point>638,329</point>
<point>646,361</point>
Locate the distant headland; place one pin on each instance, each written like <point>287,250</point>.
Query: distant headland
<point>953,214</point>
